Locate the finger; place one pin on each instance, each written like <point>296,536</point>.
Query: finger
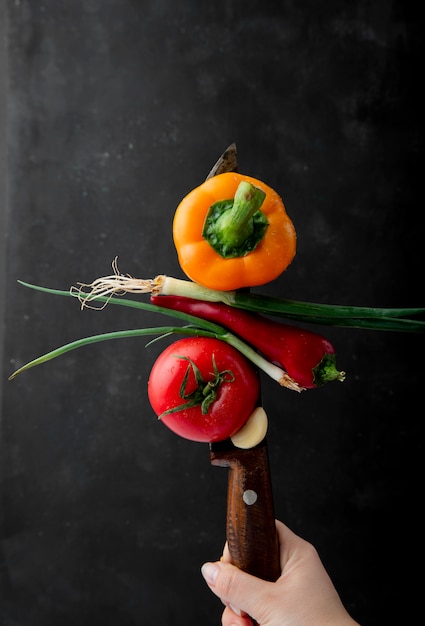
<point>289,542</point>
<point>230,618</point>
<point>235,587</point>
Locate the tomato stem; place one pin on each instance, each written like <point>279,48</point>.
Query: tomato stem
<point>205,392</point>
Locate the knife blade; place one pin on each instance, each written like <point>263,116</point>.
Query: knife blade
<point>227,162</point>
<point>250,520</point>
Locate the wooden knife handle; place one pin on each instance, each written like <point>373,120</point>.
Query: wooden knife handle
<point>250,527</point>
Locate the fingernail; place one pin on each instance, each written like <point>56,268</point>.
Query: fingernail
<point>209,572</point>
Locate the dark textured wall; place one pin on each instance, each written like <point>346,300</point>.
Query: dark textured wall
<point>116,109</point>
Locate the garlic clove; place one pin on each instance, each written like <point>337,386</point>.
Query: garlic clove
<point>253,431</point>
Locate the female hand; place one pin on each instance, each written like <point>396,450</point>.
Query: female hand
<point>303,594</point>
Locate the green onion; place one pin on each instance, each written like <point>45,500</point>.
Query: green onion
<point>197,327</point>
<point>268,304</point>
<point>371,318</point>
<point>367,318</point>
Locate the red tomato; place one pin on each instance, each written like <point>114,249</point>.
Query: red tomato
<point>232,382</point>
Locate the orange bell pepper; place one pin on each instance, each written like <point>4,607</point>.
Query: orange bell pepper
<point>259,239</point>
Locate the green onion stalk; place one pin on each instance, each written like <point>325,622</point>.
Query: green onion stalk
<point>111,289</point>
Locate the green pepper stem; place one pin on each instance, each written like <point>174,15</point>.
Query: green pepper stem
<point>235,225</point>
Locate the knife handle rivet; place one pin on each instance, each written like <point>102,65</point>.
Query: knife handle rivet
<point>249,497</point>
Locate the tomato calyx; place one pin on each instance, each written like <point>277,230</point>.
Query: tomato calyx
<point>205,392</point>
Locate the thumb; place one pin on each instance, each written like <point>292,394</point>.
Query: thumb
<point>234,587</point>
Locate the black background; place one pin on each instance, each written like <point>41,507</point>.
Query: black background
<point>116,110</point>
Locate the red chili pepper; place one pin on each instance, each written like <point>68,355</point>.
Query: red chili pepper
<point>307,357</point>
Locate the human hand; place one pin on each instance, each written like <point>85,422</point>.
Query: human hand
<point>303,594</point>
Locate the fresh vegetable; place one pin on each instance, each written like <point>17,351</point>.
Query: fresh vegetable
<point>309,358</point>
<point>233,231</point>
<point>203,389</point>
<point>253,431</point>
<point>196,327</point>
<point>372,318</point>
